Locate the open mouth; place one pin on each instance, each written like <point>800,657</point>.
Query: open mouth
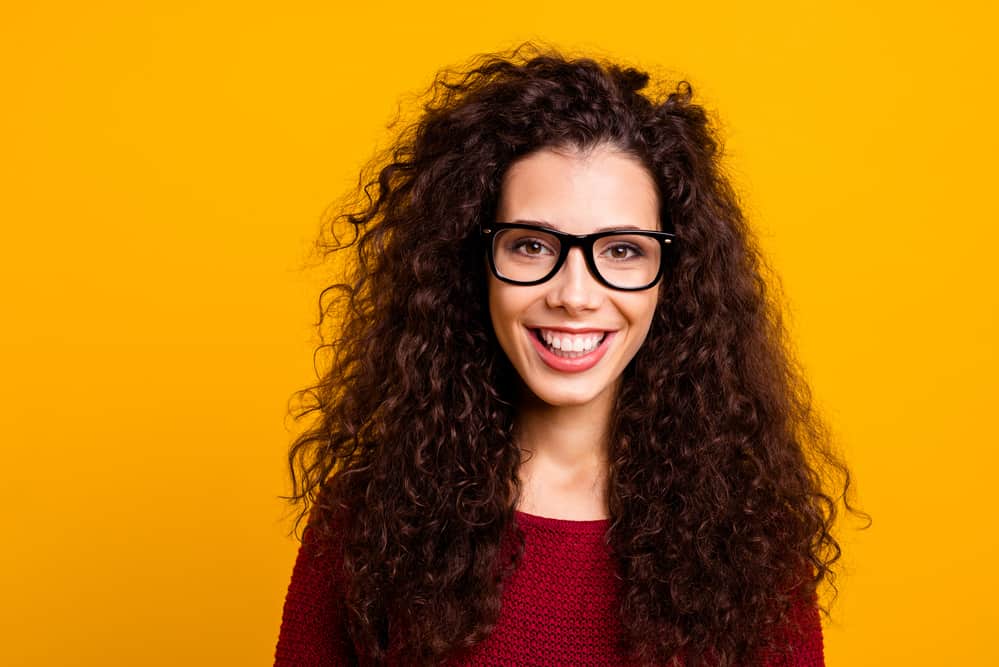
<point>569,346</point>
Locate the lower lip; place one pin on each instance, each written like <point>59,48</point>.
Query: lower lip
<point>575,365</point>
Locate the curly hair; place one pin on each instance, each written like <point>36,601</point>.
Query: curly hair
<point>719,509</point>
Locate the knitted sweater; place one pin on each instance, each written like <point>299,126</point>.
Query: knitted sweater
<point>558,608</point>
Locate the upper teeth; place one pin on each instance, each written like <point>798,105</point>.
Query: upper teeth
<point>571,342</point>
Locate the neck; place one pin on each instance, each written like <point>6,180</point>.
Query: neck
<point>564,457</point>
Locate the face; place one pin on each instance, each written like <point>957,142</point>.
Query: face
<point>578,193</point>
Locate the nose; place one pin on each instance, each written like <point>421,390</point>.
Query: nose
<point>573,288</point>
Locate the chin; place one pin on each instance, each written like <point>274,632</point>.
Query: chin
<point>566,399</point>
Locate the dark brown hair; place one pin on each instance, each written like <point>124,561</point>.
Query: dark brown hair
<point>719,464</point>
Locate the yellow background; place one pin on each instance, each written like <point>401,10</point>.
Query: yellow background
<point>164,169</point>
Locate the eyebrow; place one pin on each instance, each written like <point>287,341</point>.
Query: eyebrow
<point>545,223</point>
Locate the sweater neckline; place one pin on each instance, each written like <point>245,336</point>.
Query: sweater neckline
<point>562,525</point>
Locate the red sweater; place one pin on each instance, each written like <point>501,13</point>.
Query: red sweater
<point>558,608</point>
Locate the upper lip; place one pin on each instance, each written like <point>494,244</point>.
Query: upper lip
<point>573,330</point>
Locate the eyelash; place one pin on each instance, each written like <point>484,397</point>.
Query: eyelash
<point>637,252</point>
<point>520,243</point>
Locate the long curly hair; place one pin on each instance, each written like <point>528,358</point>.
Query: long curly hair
<point>723,482</point>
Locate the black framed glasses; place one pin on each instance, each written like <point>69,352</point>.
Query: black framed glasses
<point>624,259</point>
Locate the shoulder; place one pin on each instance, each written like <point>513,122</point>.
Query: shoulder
<point>313,630</point>
<point>799,642</point>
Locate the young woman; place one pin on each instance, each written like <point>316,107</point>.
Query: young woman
<point>560,424</point>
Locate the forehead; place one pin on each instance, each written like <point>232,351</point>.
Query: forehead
<point>580,191</point>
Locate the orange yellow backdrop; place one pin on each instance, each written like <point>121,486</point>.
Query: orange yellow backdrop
<point>165,166</point>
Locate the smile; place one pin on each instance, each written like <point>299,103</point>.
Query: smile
<point>570,352</point>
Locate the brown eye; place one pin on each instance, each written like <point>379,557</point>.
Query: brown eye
<point>532,247</point>
<point>623,251</point>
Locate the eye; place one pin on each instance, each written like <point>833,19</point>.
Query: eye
<point>622,251</point>
<point>532,247</point>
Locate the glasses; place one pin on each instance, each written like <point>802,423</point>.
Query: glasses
<point>524,254</point>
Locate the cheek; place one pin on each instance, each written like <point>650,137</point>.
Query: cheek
<point>642,312</point>
<point>503,311</point>
<point>510,307</point>
<point>495,305</point>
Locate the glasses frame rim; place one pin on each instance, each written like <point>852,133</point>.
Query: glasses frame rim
<point>569,241</point>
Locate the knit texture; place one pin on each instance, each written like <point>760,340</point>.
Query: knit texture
<point>558,608</point>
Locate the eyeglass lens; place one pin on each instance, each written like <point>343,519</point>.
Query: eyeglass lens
<point>624,260</point>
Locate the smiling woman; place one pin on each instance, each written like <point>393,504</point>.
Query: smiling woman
<point>560,425</point>
<point>545,325</point>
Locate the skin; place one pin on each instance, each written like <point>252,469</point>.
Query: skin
<point>563,418</point>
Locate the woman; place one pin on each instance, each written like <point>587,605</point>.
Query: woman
<point>560,424</point>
